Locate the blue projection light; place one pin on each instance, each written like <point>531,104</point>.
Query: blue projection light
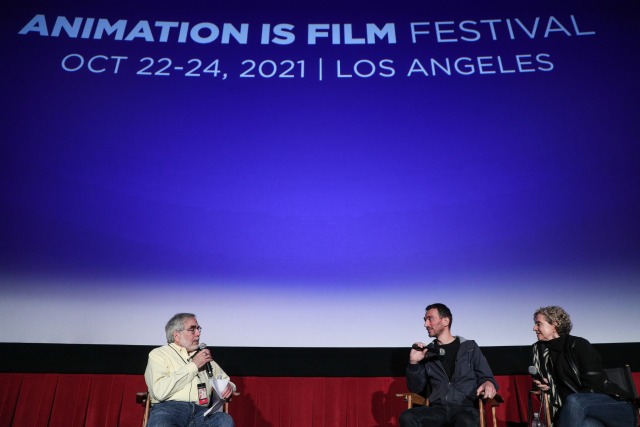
<point>333,166</point>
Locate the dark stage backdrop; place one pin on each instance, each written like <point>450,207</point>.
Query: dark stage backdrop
<point>271,362</point>
<point>313,174</point>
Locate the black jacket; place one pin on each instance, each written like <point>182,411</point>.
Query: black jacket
<point>577,367</point>
<point>471,370</point>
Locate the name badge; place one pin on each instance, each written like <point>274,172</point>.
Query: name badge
<point>203,397</point>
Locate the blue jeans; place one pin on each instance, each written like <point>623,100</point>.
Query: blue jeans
<point>595,409</point>
<point>185,414</point>
<point>440,415</point>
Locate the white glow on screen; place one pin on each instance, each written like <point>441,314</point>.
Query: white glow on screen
<point>493,311</point>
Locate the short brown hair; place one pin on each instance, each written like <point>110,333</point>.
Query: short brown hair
<point>556,314</point>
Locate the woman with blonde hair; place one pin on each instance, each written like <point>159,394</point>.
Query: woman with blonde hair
<point>571,369</point>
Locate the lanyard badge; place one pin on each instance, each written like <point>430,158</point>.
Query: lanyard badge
<point>203,397</point>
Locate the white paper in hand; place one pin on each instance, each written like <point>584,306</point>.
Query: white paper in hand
<point>219,385</point>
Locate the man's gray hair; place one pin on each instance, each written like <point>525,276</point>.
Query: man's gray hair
<point>176,324</point>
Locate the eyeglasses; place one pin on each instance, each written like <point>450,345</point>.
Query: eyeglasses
<point>193,329</point>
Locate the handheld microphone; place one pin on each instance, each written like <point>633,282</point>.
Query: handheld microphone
<point>535,374</point>
<point>207,366</point>
<point>433,351</point>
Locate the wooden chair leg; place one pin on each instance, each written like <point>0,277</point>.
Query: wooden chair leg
<point>481,412</point>
<point>225,409</point>
<point>147,407</point>
<point>482,409</point>
<point>142,397</point>
<point>547,410</point>
<point>493,416</point>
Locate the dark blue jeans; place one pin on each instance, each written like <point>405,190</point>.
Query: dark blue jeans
<point>440,416</point>
<point>185,414</point>
<point>595,410</point>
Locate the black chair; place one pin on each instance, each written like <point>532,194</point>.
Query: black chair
<point>623,378</point>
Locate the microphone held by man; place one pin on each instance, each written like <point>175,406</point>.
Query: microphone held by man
<point>431,351</point>
<point>207,366</point>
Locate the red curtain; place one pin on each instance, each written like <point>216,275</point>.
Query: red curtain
<point>65,400</point>
<point>91,400</point>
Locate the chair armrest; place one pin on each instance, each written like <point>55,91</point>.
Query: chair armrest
<point>494,401</point>
<point>413,399</point>
<point>141,397</point>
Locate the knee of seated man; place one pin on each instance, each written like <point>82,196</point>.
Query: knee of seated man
<point>470,417</point>
<point>406,415</point>
<point>408,418</point>
<point>228,422</point>
<point>221,419</point>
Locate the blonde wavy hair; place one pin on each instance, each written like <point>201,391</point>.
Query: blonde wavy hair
<point>556,314</point>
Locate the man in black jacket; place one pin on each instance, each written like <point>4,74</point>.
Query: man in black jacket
<point>456,378</point>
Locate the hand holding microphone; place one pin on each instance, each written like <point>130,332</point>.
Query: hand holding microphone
<point>431,351</point>
<point>202,358</point>
<point>419,351</point>
<point>538,379</point>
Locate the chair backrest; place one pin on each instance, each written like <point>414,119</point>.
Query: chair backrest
<point>623,378</point>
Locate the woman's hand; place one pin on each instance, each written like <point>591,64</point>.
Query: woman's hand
<point>544,386</point>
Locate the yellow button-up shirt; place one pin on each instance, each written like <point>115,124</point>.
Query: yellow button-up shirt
<point>171,375</point>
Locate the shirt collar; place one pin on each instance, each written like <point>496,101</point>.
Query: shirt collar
<point>183,351</point>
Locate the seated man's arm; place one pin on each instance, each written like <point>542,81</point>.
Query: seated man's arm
<point>163,382</point>
<point>484,376</point>
<point>416,377</point>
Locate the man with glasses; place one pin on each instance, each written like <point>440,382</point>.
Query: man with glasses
<point>179,386</point>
